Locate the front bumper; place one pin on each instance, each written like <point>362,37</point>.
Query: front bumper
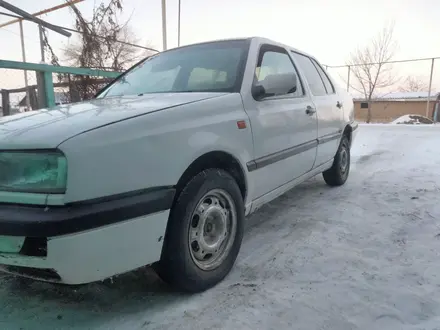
<point>84,242</point>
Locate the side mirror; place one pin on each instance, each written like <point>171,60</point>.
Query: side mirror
<point>275,84</point>
<point>258,91</point>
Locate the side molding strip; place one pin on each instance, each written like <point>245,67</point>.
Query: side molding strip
<point>290,152</point>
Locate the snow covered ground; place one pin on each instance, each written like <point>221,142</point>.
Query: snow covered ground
<point>362,256</point>
<point>412,119</point>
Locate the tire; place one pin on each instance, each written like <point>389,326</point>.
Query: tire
<point>201,207</point>
<point>338,173</point>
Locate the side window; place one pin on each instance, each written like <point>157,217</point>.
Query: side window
<point>328,84</point>
<point>275,60</point>
<point>313,78</point>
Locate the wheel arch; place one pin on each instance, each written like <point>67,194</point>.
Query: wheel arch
<point>348,130</point>
<point>215,159</point>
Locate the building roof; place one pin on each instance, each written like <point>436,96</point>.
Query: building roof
<point>403,96</point>
<point>408,95</point>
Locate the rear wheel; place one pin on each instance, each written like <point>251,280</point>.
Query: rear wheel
<point>338,173</point>
<point>204,233</point>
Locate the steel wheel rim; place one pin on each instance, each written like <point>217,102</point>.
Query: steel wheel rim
<point>212,229</point>
<point>343,159</point>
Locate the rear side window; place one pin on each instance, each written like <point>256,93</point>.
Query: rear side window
<point>327,83</point>
<point>312,75</point>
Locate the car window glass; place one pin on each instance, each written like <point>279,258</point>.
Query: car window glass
<point>201,78</point>
<point>272,62</point>
<point>313,78</point>
<point>214,67</point>
<point>159,81</point>
<point>328,84</point>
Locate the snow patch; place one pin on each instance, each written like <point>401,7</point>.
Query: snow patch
<point>412,120</point>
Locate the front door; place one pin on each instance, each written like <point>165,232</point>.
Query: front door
<point>284,129</point>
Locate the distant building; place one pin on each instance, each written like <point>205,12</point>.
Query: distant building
<point>391,106</point>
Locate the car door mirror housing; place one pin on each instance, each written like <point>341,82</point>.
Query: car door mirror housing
<point>258,92</point>
<point>275,84</point>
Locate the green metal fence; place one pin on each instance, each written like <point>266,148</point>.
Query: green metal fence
<point>76,83</point>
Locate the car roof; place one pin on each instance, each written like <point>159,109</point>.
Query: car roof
<point>255,38</point>
<point>276,43</point>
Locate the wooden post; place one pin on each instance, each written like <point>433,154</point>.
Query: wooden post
<point>33,97</point>
<point>41,90</point>
<point>5,102</point>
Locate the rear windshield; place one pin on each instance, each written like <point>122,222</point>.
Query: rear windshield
<point>210,67</point>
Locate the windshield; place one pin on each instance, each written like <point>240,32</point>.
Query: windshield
<point>210,67</point>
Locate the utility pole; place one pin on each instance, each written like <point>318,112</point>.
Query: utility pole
<point>164,25</point>
<point>178,25</point>
<point>26,84</point>
<point>40,30</point>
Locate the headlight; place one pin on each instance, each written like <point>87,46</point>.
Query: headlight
<point>33,171</point>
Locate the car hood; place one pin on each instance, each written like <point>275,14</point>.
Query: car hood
<point>48,128</point>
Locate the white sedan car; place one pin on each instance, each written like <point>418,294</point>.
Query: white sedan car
<point>163,165</point>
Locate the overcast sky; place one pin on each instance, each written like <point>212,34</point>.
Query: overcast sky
<point>329,30</point>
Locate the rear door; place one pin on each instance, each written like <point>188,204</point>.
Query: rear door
<point>285,135</point>
<point>329,107</point>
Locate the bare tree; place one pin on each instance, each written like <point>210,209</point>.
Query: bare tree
<point>104,43</point>
<point>413,84</point>
<point>95,48</point>
<point>369,65</point>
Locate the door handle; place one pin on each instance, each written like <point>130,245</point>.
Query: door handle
<point>339,104</point>
<point>310,110</point>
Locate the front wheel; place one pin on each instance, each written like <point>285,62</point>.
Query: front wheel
<point>338,173</point>
<point>204,233</point>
